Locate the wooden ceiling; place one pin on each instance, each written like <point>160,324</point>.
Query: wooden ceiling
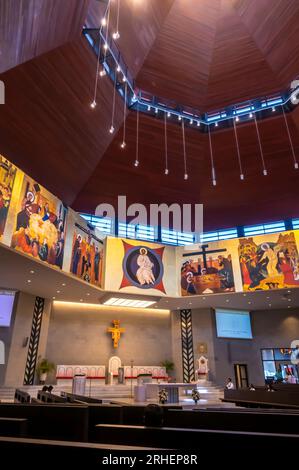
<point>204,54</point>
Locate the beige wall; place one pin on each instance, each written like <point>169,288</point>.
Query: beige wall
<point>77,335</point>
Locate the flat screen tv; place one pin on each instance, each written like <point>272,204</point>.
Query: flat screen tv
<point>6,307</point>
<point>233,324</point>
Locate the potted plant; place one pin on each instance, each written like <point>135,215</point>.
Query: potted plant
<point>43,368</point>
<point>169,366</point>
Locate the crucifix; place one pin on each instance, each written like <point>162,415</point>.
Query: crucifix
<point>204,252</point>
<point>115,331</point>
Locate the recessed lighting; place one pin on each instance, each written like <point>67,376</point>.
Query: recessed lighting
<point>289,300</point>
<point>29,280</point>
<point>244,295</point>
<point>270,305</point>
<point>289,306</point>
<point>63,284</point>
<point>289,291</point>
<point>31,271</point>
<point>249,302</point>
<point>88,293</point>
<point>124,302</point>
<point>53,298</point>
<point>203,298</point>
<point>58,291</point>
<point>227,300</point>
<point>81,300</point>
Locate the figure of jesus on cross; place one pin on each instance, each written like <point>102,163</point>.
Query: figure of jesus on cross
<point>115,331</point>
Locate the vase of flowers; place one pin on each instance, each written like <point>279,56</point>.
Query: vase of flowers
<point>163,396</point>
<point>195,395</point>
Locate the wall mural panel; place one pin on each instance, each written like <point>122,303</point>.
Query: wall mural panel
<point>7,179</point>
<point>269,261</point>
<point>208,270</point>
<point>87,255</point>
<point>39,229</point>
<point>143,267</point>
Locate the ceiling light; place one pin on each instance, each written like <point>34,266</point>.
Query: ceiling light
<point>227,300</point>
<point>296,165</point>
<point>166,172</point>
<point>58,291</point>
<point>63,284</point>
<point>241,176</point>
<point>123,144</point>
<point>185,176</point>
<point>168,114</point>
<point>156,110</point>
<point>214,183</point>
<point>136,163</point>
<point>53,298</point>
<point>265,172</point>
<point>31,271</point>
<point>148,108</point>
<point>198,124</point>
<point>124,302</point>
<point>111,130</point>
<point>87,293</point>
<point>93,104</point>
<point>103,21</point>
<point>102,73</point>
<point>105,46</point>
<point>273,109</point>
<point>216,124</point>
<point>29,280</point>
<point>124,78</point>
<point>81,300</point>
<point>191,121</point>
<point>250,115</point>
<point>237,118</point>
<point>118,69</point>
<point>180,118</point>
<point>116,35</point>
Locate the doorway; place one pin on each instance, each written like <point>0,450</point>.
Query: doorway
<point>241,375</point>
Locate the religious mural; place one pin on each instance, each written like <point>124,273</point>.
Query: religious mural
<point>142,267</point>
<point>7,178</point>
<point>207,271</point>
<point>87,256</point>
<point>40,224</point>
<point>269,261</point>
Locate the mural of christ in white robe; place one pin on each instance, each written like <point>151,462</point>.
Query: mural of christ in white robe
<point>145,273</point>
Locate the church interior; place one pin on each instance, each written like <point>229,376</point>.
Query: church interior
<point>149,228</point>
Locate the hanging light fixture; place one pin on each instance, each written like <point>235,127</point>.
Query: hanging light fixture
<point>290,139</point>
<point>94,101</point>
<point>107,28</point>
<point>116,34</point>
<point>184,151</point>
<point>265,172</point>
<point>212,159</point>
<point>136,163</point>
<point>166,171</point>
<point>238,152</point>
<point>123,144</point>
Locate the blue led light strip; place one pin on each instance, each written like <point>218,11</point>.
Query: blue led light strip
<point>151,105</point>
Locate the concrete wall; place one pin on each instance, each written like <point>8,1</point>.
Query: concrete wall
<point>77,335</point>
<point>20,330</point>
<point>271,329</point>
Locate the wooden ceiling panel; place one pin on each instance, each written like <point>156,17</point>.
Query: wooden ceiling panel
<point>178,65</point>
<point>47,127</point>
<point>139,24</point>
<point>274,26</point>
<point>32,27</point>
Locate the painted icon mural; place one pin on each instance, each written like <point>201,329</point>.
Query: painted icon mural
<point>142,267</point>
<point>7,178</point>
<point>269,261</point>
<point>207,271</point>
<point>87,256</point>
<point>40,224</point>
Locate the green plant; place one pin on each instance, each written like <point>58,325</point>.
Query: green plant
<point>169,365</point>
<point>44,366</point>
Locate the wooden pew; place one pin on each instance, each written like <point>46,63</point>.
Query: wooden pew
<point>253,421</point>
<point>262,398</point>
<point>200,439</point>
<point>51,420</point>
<point>70,398</point>
<point>13,427</point>
<point>47,397</point>
<point>21,396</point>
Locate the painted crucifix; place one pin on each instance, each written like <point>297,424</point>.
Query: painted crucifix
<point>204,252</point>
<point>115,331</point>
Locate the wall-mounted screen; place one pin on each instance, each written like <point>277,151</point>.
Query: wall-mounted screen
<point>233,324</point>
<point>6,307</point>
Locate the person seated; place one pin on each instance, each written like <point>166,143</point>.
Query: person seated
<point>252,388</point>
<point>153,415</point>
<point>50,388</point>
<point>229,384</point>
<point>270,388</point>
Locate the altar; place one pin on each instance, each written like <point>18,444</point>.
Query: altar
<point>151,390</point>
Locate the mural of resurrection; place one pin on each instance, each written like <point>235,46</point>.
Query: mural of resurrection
<point>7,177</point>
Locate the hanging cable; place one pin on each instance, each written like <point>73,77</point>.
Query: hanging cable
<point>137,138</point>
<point>111,130</point>
<point>265,172</point>
<point>212,159</point>
<point>107,29</point>
<point>123,144</point>
<point>238,152</point>
<point>290,139</point>
<point>166,171</point>
<point>184,151</point>
<point>116,34</point>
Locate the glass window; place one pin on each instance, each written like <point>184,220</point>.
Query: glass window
<point>267,354</point>
<point>282,354</point>
<point>269,368</point>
